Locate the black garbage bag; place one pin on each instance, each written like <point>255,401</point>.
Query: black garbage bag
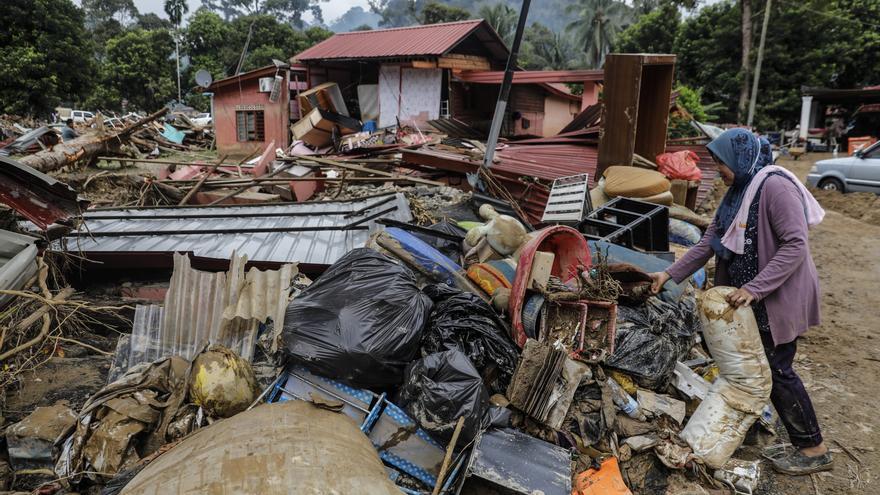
<point>451,249</point>
<point>651,338</point>
<point>361,322</point>
<point>440,388</point>
<point>463,321</point>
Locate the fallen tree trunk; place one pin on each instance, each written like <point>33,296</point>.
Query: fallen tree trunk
<point>84,147</point>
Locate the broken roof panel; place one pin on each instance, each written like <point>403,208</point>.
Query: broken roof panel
<point>314,234</point>
<point>36,196</point>
<point>412,41</point>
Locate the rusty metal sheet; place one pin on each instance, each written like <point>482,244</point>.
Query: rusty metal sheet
<point>37,196</point>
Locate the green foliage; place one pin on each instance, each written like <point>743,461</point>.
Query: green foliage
<point>176,9</point>
<point>138,67</point>
<point>152,21</point>
<point>289,11</point>
<point>363,27</point>
<point>502,18</point>
<point>434,13</point>
<point>595,26</point>
<point>396,13</point>
<point>542,49</point>
<point>708,45</point>
<point>689,100</point>
<point>108,18</point>
<point>652,33</point>
<point>46,56</point>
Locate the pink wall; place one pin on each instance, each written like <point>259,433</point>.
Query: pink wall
<point>237,95</point>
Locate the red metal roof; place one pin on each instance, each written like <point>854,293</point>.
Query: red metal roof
<point>429,40</point>
<point>532,76</point>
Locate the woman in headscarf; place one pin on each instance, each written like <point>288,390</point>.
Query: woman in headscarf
<point>759,240</point>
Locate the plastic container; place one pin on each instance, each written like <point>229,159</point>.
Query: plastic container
<point>625,402</point>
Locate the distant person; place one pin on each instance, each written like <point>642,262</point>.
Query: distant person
<point>67,132</point>
<point>760,243</point>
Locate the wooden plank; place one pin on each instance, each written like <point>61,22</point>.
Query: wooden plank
<point>463,62</point>
<point>424,64</point>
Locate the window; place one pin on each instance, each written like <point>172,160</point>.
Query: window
<point>249,124</point>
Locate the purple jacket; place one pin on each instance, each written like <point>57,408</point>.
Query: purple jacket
<point>787,279</point>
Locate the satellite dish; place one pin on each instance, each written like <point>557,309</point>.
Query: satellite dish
<point>203,78</point>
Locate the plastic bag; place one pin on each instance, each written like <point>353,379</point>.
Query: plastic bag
<point>361,322</point>
<point>651,338</point>
<point>463,321</point>
<point>680,165</point>
<point>439,389</point>
<point>684,233</point>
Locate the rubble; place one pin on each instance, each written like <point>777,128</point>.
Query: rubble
<point>470,341</point>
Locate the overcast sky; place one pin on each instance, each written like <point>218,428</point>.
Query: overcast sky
<point>332,9</point>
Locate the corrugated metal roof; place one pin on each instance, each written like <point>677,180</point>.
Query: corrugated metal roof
<point>429,40</point>
<point>316,233</point>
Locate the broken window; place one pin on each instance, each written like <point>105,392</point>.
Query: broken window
<point>250,126</point>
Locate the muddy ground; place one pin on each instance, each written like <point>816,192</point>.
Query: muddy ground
<point>839,360</point>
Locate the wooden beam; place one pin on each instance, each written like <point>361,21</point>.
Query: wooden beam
<point>463,62</point>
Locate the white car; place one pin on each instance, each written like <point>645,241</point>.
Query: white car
<point>202,119</point>
<point>81,116</point>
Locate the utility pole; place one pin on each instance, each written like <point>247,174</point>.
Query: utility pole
<point>504,94</point>
<point>177,56</point>
<point>758,63</point>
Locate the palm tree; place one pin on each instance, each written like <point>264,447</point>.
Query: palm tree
<point>176,9</point>
<point>596,26</point>
<point>502,18</point>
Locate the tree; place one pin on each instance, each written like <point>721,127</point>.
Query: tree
<point>354,18</point>
<point>434,13</point>
<point>708,45</point>
<point>176,9</point>
<point>151,21</point>
<point>290,11</point>
<point>108,18</point>
<point>502,18</point>
<point>745,66</point>
<point>137,67</point>
<point>652,33</point>
<point>543,49</point>
<point>396,13</point>
<point>46,56</point>
<point>595,27</point>
<point>363,27</point>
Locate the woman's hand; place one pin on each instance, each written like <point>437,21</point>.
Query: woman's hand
<point>740,297</point>
<point>659,278</point>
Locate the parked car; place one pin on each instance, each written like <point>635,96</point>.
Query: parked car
<point>857,173</point>
<point>202,119</point>
<point>81,116</point>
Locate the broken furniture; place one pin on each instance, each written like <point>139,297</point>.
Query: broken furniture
<point>636,107</point>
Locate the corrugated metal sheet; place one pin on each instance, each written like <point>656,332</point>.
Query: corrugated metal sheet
<point>430,40</point>
<point>216,232</point>
<point>200,308</point>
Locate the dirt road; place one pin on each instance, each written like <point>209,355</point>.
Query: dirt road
<point>839,360</point>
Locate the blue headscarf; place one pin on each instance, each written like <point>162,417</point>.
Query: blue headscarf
<point>745,154</point>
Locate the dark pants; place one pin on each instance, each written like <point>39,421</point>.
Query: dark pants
<point>789,396</point>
